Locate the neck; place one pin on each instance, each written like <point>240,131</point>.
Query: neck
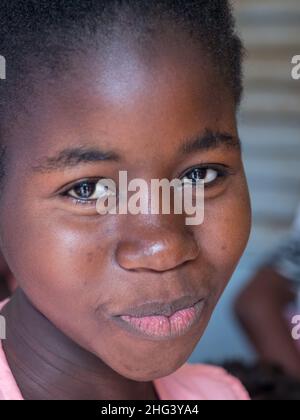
<point>48,365</point>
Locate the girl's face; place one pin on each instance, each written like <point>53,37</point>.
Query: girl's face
<point>151,118</point>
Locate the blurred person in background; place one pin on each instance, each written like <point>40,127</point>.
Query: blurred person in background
<point>265,382</point>
<point>267,305</point>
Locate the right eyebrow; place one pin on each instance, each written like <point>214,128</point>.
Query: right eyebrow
<point>70,157</point>
<point>210,139</point>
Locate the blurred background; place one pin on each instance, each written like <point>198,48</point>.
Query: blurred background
<point>270,133</point>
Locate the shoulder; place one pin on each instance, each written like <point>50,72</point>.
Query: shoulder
<point>200,382</point>
<point>8,386</point>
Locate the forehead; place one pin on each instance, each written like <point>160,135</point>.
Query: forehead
<point>126,97</point>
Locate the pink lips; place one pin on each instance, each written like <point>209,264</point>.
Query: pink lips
<point>159,326</point>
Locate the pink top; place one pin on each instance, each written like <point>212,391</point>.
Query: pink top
<point>190,382</point>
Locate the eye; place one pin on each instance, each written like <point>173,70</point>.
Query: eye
<point>87,191</point>
<point>205,175</point>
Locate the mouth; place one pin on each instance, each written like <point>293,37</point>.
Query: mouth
<point>161,321</point>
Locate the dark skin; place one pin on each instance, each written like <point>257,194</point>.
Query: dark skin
<point>75,268</point>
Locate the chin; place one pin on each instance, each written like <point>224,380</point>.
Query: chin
<point>145,373</point>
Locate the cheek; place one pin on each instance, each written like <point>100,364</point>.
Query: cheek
<point>51,256</point>
<point>225,233</point>
<point>61,266</point>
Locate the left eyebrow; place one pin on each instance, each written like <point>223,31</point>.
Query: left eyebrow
<point>71,157</point>
<point>210,140</point>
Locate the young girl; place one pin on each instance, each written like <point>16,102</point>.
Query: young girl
<point>112,306</point>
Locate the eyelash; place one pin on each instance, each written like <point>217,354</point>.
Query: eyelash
<point>222,171</point>
<point>79,201</point>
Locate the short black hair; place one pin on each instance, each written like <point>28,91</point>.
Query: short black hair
<point>45,32</point>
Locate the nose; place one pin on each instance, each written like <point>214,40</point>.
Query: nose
<point>156,248</point>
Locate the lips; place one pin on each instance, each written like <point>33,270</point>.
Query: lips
<point>161,308</point>
<point>161,320</point>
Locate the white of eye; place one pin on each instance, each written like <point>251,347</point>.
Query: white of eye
<point>211,176</point>
<point>101,190</point>
<point>104,188</point>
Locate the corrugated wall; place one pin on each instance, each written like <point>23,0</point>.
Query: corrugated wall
<point>270,132</point>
